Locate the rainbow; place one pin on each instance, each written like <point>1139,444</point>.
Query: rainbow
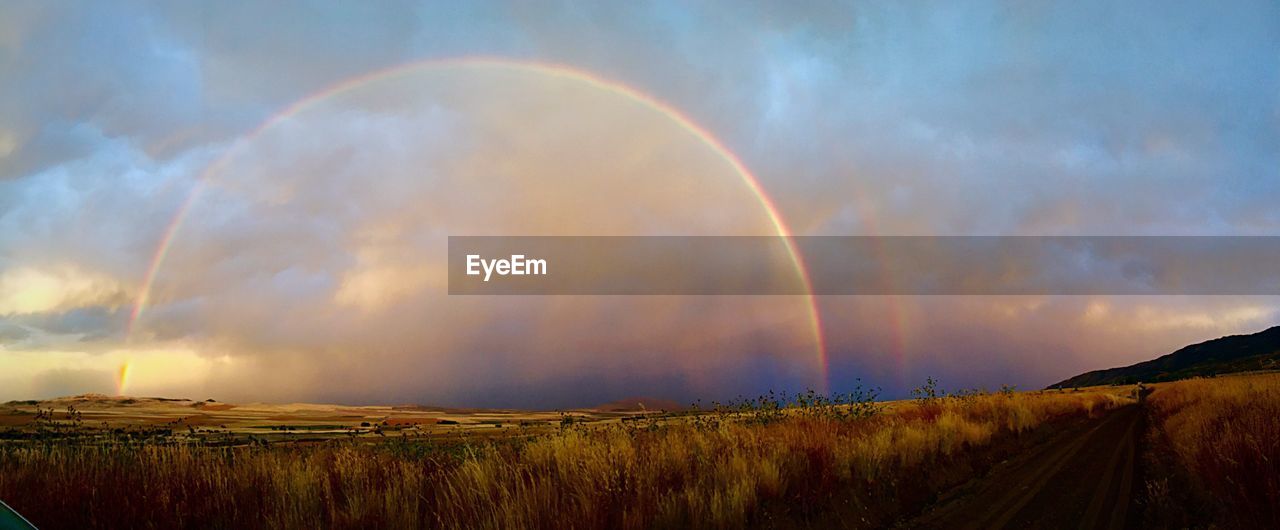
<point>895,310</point>
<point>551,69</point>
<point>122,378</point>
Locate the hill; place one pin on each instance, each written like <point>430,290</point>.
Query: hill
<point>1235,353</point>
<point>640,404</point>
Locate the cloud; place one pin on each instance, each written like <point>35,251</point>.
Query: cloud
<point>56,289</point>
<point>79,73</point>
<point>10,333</point>
<point>313,253</point>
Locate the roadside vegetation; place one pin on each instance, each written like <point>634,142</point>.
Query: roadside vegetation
<point>1213,453</point>
<point>773,461</point>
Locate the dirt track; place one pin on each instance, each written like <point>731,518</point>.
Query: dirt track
<point>1081,478</point>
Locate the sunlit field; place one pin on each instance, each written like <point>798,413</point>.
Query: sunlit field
<point>773,461</point>
<point>1214,446</point>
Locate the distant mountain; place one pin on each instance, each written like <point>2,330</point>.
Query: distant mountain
<point>1236,353</point>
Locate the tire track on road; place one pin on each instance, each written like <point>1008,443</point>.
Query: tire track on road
<point>1080,478</point>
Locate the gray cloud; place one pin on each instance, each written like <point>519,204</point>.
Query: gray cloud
<point>12,333</point>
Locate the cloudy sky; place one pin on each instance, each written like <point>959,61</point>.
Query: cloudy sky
<point>316,177</point>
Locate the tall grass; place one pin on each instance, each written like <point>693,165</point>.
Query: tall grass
<point>717,469</point>
<point>1214,446</point>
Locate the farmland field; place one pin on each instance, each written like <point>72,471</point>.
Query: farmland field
<point>768,462</point>
<point>990,459</point>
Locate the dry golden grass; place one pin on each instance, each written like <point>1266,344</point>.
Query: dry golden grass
<point>1218,440</point>
<point>794,467</point>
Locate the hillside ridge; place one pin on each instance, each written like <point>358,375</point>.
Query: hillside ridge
<point>1232,353</point>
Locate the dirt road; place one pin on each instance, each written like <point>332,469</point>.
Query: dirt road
<point>1083,477</point>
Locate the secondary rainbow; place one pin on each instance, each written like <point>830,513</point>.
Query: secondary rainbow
<point>558,70</point>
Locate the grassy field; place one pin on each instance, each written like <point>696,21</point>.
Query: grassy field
<point>1214,452</point>
<point>847,462</point>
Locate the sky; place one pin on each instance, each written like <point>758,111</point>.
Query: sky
<point>316,156</point>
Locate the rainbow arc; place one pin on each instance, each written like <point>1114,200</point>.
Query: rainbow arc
<point>539,68</point>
